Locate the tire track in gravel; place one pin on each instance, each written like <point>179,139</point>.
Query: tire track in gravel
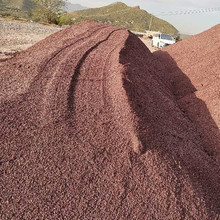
<point>64,63</point>
<point>57,53</point>
<point>104,74</point>
<point>77,71</point>
<point>54,70</point>
<point>87,169</point>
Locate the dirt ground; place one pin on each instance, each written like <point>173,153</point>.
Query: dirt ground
<point>16,36</point>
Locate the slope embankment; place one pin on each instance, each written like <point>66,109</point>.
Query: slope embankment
<point>91,130</point>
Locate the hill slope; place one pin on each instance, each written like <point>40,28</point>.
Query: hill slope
<point>24,5</point>
<point>119,14</point>
<point>69,7</point>
<point>16,8</point>
<point>27,5</point>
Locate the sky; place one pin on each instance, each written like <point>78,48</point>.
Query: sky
<point>187,24</point>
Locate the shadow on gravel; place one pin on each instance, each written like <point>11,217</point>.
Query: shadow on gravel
<point>197,112</point>
<point>156,88</point>
<point>7,55</point>
<point>194,108</point>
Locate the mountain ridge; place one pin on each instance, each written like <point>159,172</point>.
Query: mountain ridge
<point>119,14</point>
<point>23,5</point>
<point>69,7</point>
<point>28,5</point>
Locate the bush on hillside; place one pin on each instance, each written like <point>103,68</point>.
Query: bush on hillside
<point>48,11</point>
<point>65,20</point>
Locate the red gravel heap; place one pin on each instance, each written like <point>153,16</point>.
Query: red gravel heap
<point>197,61</point>
<point>92,129</point>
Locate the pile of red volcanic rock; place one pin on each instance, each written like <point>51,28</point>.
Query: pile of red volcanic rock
<point>94,126</point>
<point>193,66</point>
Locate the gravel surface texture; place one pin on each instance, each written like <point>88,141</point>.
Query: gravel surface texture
<point>16,36</point>
<point>197,60</point>
<point>91,128</point>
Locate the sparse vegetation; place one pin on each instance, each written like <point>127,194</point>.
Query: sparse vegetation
<point>48,11</point>
<point>51,11</point>
<point>119,14</point>
<point>23,5</point>
<point>16,9</point>
<point>14,13</point>
<point>178,38</point>
<point>65,19</point>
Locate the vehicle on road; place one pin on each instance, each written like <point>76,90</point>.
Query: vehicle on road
<point>161,40</point>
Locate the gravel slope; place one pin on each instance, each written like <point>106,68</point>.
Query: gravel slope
<point>16,36</point>
<point>90,130</point>
<point>197,60</point>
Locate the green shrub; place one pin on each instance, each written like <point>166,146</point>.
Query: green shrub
<point>178,38</point>
<point>6,14</point>
<point>65,20</point>
<point>48,11</point>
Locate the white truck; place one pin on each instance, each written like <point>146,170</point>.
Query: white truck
<point>162,40</point>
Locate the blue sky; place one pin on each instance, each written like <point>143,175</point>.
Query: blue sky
<point>188,24</point>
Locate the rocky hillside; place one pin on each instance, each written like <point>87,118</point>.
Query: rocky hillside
<point>24,5</point>
<point>119,14</point>
<point>69,7</point>
<point>28,5</point>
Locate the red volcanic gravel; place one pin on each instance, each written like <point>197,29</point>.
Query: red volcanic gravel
<point>92,128</point>
<point>194,69</point>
